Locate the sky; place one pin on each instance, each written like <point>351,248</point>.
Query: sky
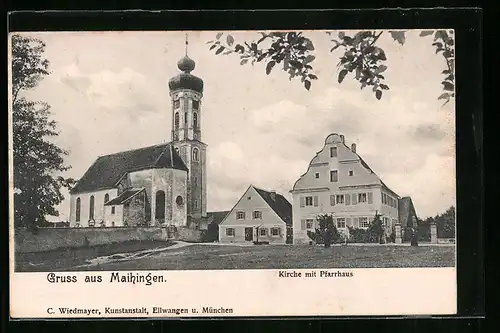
<point>108,93</point>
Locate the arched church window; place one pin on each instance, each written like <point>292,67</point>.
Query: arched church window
<point>91,208</point>
<point>106,197</point>
<point>160,205</point>
<point>177,104</point>
<point>185,117</point>
<point>196,155</point>
<point>78,207</point>
<point>196,105</point>
<point>176,120</point>
<point>195,120</point>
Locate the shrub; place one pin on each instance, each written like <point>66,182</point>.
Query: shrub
<point>327,233</point>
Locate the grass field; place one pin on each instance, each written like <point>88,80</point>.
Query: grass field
<point>208,256</point>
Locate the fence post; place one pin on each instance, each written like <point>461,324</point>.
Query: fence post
<point>434,238</point>
<point>397,230</point>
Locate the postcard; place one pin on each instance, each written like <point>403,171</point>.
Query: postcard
<point>159,174</point>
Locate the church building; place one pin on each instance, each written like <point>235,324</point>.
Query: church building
<point>164,184</point>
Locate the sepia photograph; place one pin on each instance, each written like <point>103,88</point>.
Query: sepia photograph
<point>229,151</point>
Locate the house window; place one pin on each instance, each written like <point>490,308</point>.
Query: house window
<point>340,199</point>
<point>275,231</point>
<point>361,197</point>
<point>240,215</point>
<point>309,201</point>
<point>196,154</point>
<point>249,198</point>
<point>333,152</point>
<point>351,173</point>
<point>195,181</point>
<point>341,223</point>
<point>383,198</point>
<point>106,198</point>
<point>229,231</point>
<point>196,105</point>
<point>91,208</point>
<point>262,231</point>
<point>78,207</point>
<point>196,204</point>
<point>309,224</point>
<point>316,175</point>
<point>185,118</point>
<point>195,120</point>
<point>177,104</point>
<point>334,176</point>
<point>257,215</point>
<point>176,120</point>
<point>363,222</point>
<point>112,209</point>
<point>113,223</point>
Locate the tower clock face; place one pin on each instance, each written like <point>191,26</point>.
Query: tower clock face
<point>195,135</point>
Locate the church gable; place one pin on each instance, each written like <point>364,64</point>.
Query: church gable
<point>108,170</point>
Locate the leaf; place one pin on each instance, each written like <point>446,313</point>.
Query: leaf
<point>309,58</point>
<point>446,71</point>
<point>230,40</point>
<point>444,96</point>
<point>244,61</point>
<point>342,75</point>
<point>398,36</point>
<point>219,50</point>
<point>213,47</point>
<point>309,45</point>
<point>307,84</point>
<point>270,66</point>
<point>380,69</point>
<point>341,35</point>
<point>209,42</point>
<point>262,56</point>
<point>312,76</point>
<point>219,35</point>
<point>448,85</point>
<point>378,94</point>
<point>424,33</point>
<point>384,86</point>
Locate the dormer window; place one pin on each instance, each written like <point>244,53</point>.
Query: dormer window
<point>351,173</point>
<point>333,152</point>
<point>196,155</point>
<point>316,175</point>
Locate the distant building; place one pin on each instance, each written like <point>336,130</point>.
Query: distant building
<point>259,215</point>
<point>339,182</point>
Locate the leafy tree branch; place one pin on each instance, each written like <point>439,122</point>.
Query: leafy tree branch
<point>362,57</point>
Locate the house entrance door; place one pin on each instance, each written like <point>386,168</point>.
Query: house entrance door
<point>249,234</point>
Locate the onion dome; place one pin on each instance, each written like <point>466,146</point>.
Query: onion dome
<point>186,80</point>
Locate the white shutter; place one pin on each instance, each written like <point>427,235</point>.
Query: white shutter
<point>347,199</point>
<point>302,224</point>
<point>349,222</point>
<point>356,222</point>
<point>332,199</point>
<point>302,202</point>
<point>370,197</point>
<point>315,201</point>
<point>354,198</point>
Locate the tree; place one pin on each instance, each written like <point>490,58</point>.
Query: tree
<point>326,233</point>
<point>376,229</point>
<point>37,161</point>
<point>445,223</point>
<point>362,56</point>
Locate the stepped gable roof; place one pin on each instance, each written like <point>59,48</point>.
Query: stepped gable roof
<point>107,170</point>
<point>279,204</point>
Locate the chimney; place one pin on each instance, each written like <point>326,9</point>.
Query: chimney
<point>342,138</point>
<point>353,148</point>
<point>273,194</point>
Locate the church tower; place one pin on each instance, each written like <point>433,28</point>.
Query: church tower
<point>186,92</point>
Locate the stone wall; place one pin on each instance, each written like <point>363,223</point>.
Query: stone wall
<point>47,239</point>
<point>189,235</point>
